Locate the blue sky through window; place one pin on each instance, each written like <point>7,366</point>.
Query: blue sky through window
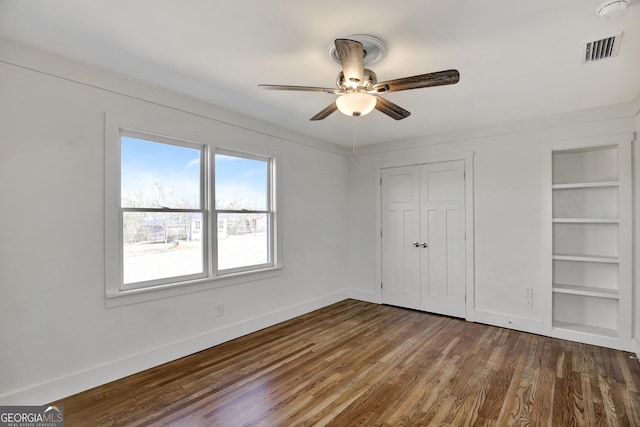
<point>155,174</point>
<point>240,183</point>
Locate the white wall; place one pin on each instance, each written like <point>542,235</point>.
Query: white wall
<point>636,225</point>
<point>57,336</point>
<point>511,201</point>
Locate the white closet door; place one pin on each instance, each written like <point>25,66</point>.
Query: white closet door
<point>401,229</point>
<point>442,225</point>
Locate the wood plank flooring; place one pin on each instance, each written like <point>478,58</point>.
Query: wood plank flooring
<point>355,363</point>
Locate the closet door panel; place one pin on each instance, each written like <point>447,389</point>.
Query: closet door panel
<point>400,231</point>
<point>442,231</point>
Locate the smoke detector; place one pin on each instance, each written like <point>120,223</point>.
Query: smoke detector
<point>611,9</point>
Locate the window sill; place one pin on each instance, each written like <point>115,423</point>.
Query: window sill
<point>134,296</point>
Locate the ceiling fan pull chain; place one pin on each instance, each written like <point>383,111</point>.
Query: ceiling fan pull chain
<point>355,138</point>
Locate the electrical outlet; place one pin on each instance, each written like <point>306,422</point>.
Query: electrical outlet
<point>220,309</point>
<point>528,302</point>
<point>528,291</point>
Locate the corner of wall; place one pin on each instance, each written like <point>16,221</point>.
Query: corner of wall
<point>636,104</point>
<point>636,227</point>
<point>366,296</point>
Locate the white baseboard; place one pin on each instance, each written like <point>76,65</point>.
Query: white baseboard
<point>366,296</point>
<point>523,324</point>
<point>635,343</point>
<point>65,386</point>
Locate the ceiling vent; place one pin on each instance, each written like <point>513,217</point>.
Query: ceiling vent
<point>601,49</point>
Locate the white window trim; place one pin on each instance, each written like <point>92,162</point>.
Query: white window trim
<point>116,293</point>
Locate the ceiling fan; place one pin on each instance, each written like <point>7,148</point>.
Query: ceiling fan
<point>358,87</point>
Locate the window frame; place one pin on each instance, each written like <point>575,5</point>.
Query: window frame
<point>203,210</point>
<point>269,211</point>
<point>250,146</point>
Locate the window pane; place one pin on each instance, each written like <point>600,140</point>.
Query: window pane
<point>155,175</point>
<point>158,245</point>
<point>241,183</point>
<point>243,240</point>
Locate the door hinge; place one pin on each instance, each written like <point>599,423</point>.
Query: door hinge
<point>381,285</point>
<point>380,233</point>
<point>380,182</point>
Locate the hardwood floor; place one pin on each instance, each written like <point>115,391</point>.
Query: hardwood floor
<point>356,363</point>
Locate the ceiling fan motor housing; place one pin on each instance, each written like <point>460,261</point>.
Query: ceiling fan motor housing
<point>370,79</point>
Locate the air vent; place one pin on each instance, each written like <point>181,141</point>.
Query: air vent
<point>601,49</point>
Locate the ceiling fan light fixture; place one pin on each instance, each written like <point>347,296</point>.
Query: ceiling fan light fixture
<point>355,104</point>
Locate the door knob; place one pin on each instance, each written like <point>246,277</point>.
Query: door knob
<point>424,245</point>
<point>416,244</point>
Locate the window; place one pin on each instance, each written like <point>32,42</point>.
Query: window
<point>243,211</point>
<point>180,212</point>
<point>161,200</point>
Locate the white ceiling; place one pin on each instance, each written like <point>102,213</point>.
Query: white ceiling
<point>517,59</point>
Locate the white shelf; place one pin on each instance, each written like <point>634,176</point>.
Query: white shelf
<point>586,220</point>
<point>584,258</point>
<point>589,291</point>
<point>586,329</point>
<point>590,243</point>
<point>586,185</point>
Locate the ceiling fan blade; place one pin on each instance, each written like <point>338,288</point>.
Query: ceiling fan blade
<point>351,54</point>
<point>301,88</point>
<point>392,110</point>
<point>325,113</point>
<point>439,78</point>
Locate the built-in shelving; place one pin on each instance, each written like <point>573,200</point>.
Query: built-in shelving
<point>586,290</point>
<point>586,220</point>
<point>589,245</point>
<point>586,329</point>
<point>585,185</point>
<point>586,258</point>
